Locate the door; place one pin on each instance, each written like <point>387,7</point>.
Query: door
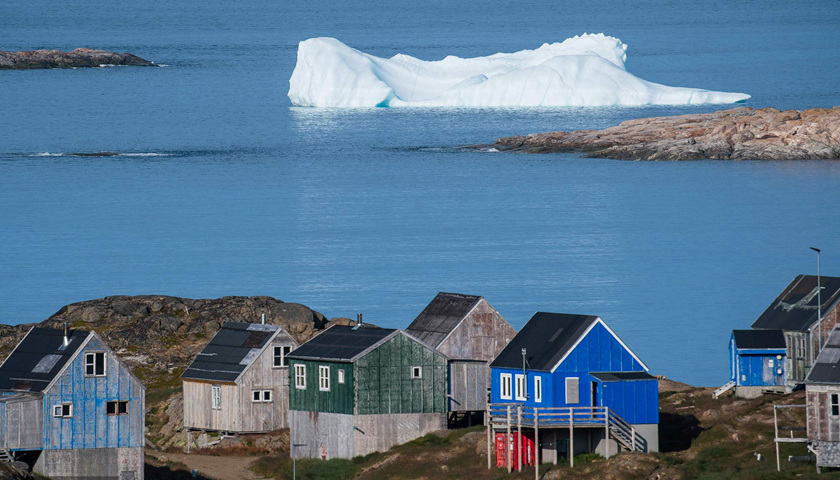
<point>595,401</point>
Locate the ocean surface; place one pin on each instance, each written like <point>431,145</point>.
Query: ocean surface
<point>217,186</point>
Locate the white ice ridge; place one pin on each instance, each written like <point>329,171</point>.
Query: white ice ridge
<point>586,70</point>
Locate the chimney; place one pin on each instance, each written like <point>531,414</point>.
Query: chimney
<point>359,318</point>
<point>66,339</point>
<point>263,319</point>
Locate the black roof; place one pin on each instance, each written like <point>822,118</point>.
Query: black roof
<point>795,309</point>
<point>341,343</point>
<point>234,347</point>
<point>759,339</point>
<point>38,359</point>
<point>547,338</point>
<point>826,368</point>
<point>622,376</point>
<point>441,316</point>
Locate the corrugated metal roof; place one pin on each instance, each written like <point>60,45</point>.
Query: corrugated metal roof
<point>759,339</point>
<point>341,343</point>
<point>795,309</point>
<point>547,337</point>
<point>441,316</point>
<point>622,376</point>
<point>234,347</point>
<point>38,358</point>
<point>826,368</point>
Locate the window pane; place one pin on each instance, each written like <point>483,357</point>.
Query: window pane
<point>266,395</point>
<point>256,395</point>
<point>123,408</point>
<point>111,408</point>
<point>100,363</point>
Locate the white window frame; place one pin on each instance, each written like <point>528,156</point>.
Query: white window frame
<point>505,383</point>
<point>117,404</point>
<point>90,361</point>
<point>262,396</point>
<point>300,376</point>
<point>834,404</point>
<point>324,378</point>
<point>416,372</point>
<point>256,396</point>
<point>285,350</point>
<point>341,376</point>
<point>215,397</point>
<point>538,389</point>
<point>58,410</point>
<point>577,382</point>
<point>520,386</point>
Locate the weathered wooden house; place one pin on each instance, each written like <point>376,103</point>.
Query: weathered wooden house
<point>357,390</point>
<point>757,362</point>
<point>239,383</point>
<point>796,313</point>
<point>568,384</point>
<point>70,408</point>
<point>822,399</point>
<point>468,330</point>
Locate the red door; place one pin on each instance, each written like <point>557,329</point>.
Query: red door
<point>519,448</point>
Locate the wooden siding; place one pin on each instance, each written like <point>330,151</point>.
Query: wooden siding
<point>822,426</point>
<point>22,424</point>
<point>91,426</point>
<point>467,385</point>
<point>90,463</point>
<point>384,384</point>
<point>480,336</point>
<point>198,407</point>
<point>339,399</point>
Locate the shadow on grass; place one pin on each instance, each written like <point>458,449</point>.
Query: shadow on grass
<point>676,432</point>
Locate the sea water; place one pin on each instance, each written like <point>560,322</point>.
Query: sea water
<point>217,186</point>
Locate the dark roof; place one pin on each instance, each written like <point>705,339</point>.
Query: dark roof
<point>234,347</point>
<point>547,338</point>
<point>622,376</point>
<point>38,359</point>
<point>759,339</point>
<point>795,309</point>
<point>826,368</point>
<point>440,317</point>
<point>341,343</point>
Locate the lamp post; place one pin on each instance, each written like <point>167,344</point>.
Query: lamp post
<point>819,299</point>
<point>294,459</point>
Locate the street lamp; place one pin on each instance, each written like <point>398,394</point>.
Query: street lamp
<point>819,298</point>
<point>294,459</point>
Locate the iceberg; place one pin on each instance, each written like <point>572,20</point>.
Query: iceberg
<point>585,70</point>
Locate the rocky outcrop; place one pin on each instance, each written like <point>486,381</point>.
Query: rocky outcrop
<point>80,57</point>
<point>737,134</point>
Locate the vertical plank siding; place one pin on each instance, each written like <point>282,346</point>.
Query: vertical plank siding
<point>467,385</point>
<point>482,335</point>
<point>339,399</point>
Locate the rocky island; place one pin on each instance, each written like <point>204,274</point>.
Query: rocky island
<point>736,134</point>
<point>80,57</point>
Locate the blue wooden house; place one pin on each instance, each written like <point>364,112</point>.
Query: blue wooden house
<point>562,372</point>
<point>70,408</point>
<point>757,361</point>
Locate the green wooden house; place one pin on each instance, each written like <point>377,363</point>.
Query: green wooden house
<point>357,390</point>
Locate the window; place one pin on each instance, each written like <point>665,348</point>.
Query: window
<point>324,378</point>
<point>572,390</point>
<point>261,396</point>
<point>119,407</point>
<point>280,353</point>
<point>64,410</point>
<point>538,389</point>
<point>95,364</point>
<point>835,404</point>
<point>300,376</point>
<point>216,397</point>
<point>416,372</point>
<point>504,390</point>
<point>341,376</point>
<point>521,392</point>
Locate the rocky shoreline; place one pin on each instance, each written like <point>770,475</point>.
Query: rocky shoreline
<point>78,58</point>
<point>736,134</point>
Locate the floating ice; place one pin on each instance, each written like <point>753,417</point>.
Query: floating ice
<point>586,70</point>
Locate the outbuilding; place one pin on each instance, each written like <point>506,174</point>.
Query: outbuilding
<point>822,399</point>
<point>757,362</point>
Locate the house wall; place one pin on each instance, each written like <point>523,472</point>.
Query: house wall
<point>91,463</point>
<point>467,385</point>
<point>830,319</point>
<point>262,375</point>
<point>759,368</point>
<point>636,401</point>
<point>198,406</point>
<point>22,424</point>
<point>822,426</point>
<point>340,397</point>
<point>482,335</point>
<point>90,426</point>
<point>384,384</point>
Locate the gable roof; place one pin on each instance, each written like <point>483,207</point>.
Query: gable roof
<point>795,309</point>
<point>548,337</point>
<point>441,316</point>
<point>39,358</point>
<point>342,343</point>
<point>826,368</point>
<point>231,351</point>
<point>759,339</point>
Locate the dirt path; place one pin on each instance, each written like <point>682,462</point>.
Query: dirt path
<point>219,468</point>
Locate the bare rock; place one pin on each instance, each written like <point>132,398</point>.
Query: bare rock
<point>80,57</point>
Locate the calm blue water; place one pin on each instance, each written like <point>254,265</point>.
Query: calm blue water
<point>367,210</point>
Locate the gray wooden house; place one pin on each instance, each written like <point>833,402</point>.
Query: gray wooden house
<point>822,398</point>
<point>357,390</point>
<point>468,330</point>
<point>70,408</point>
<point>795,312</point>
<point>239,383</point>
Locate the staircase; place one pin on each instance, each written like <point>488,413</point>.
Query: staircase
<point>625,434</point>
<point>6,456</point>
<point>723,389</point>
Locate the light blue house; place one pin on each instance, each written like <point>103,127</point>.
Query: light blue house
<point>577,363</point>
<point>757,361</point>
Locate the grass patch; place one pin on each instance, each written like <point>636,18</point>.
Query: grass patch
<point>307,468</point>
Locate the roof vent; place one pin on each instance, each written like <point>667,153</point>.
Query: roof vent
<point>66,339</point>
<point>263,319</point>
<point>358,321</point>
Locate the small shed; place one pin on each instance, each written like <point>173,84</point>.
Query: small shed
<point>358,390</point>
<point>757,361</point>
<point>239,382</point>
<point>822,398</point>
<point>71,408</point>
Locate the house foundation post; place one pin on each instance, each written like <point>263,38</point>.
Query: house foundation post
<point>508,442</point>
<point>572,437</point>
<point>536,444</point>
<point>519,439</point>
